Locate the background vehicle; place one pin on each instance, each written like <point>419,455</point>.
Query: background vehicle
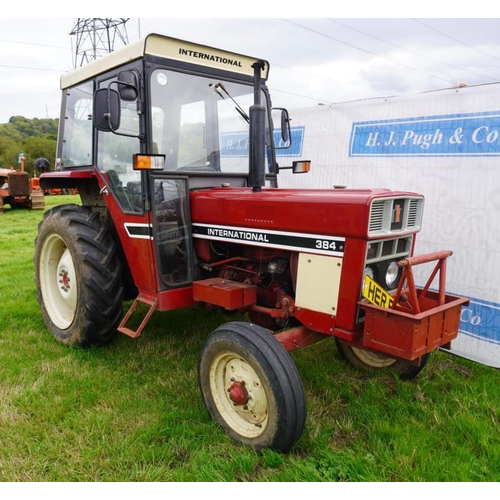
<point>19,190</point>
<point>171,146</point>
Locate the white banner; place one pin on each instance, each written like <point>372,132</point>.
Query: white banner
<point>444,145</point>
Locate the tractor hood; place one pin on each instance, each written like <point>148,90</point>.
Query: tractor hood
<point>345,212</point>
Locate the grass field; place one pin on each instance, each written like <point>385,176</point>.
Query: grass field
<point>131,411</point>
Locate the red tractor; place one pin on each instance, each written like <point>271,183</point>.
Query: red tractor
<point>172,149</point>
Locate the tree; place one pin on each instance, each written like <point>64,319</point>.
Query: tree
<point>9,152</point>
<point>34,138</point>
<point>36,147</point>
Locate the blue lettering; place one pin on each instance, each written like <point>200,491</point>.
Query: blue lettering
<point>468,134</point>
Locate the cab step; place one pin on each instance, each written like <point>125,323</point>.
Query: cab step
<point>141,299</point>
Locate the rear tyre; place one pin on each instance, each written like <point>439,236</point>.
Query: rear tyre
<point>251,387</point>
<point>368,360</point>
<point>78,276</point>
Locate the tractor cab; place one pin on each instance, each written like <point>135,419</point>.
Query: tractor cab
<point>190,110</point>
<point>159,119</point>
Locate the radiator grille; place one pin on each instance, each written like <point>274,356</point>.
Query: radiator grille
<point>19,184</point>
<point>413,213</point>
<point>377,216</point>
<point>395,215</point>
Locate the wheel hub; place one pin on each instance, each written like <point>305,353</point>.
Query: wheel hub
<point>64,279</point>
<point>65,275</point>
<point>238,393</point>
<point>58,283</point>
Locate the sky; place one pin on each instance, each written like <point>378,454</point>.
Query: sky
<point>314,59</point>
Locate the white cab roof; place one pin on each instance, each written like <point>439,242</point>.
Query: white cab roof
<point>169,48</point>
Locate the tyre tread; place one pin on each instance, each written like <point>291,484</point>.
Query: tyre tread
<point>101,272</point>
<point>257,340</point>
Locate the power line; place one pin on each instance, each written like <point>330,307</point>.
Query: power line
<point>33,69</point>
<point>483,26</point>
<point>454,39</point>
<point>35,44</point>
<point>410,51</point>
<point>329,79</point>
<point>369,52</point>
<point>300,95</point>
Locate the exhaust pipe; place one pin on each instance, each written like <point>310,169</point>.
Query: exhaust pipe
<point>257,156</point>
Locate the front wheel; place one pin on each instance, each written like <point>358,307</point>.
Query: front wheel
<point>369,360</point>
<point>78,276</point>
<point>251,387</point>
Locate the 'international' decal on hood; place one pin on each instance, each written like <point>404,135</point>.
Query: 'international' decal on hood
<point>312,243</point>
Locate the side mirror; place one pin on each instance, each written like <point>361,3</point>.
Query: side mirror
<point>127,86</point>
<point>286,137</point>
<point>285,126</point>
<point>107,112</point>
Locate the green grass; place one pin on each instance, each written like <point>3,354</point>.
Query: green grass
<point>131,411</point>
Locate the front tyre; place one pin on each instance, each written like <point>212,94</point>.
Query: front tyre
<point>78,276</point>
<point>251,387</point>
<point>368,360</point>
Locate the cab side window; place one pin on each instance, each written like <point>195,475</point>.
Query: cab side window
<point>115,157</point>
<point>76,128</point>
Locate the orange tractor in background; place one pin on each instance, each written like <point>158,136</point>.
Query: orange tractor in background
<point>19,190</point>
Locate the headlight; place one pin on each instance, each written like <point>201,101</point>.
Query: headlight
<point>392,275</point>
<point>369,271</point>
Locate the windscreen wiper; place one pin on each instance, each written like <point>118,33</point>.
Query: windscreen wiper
<point>218,87</point>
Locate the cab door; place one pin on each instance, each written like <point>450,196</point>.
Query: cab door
<point>171,230</point>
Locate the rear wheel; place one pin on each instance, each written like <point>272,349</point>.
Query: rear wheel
<point>368,360</point>
<point>251,387</point>
<point>78,276</point>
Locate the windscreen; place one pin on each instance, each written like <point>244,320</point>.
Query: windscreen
<point>201,124</point>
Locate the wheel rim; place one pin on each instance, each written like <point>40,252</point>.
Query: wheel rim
<point>58,281</point>
<point>239,395</point>
<point>373,359</point>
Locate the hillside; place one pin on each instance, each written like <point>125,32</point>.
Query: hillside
<point>33,137</point>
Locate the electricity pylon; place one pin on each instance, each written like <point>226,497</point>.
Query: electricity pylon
<point>96,37</point>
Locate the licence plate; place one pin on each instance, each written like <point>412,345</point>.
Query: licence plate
<point>375,294</point>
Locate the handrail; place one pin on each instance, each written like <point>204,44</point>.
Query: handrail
<point>407,277</point>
